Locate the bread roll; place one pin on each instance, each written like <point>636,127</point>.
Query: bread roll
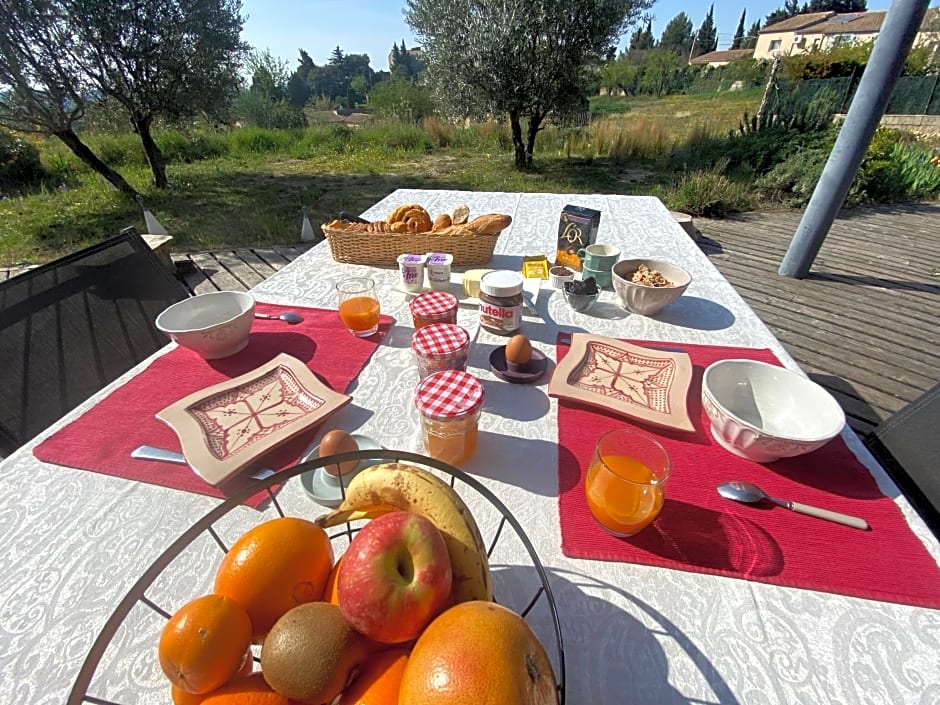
<point>490,224</point>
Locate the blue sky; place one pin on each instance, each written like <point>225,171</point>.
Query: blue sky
<point>372,26</point>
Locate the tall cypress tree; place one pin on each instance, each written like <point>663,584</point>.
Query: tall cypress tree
<point>750,39</point>
<point>643,38</point>
<point>677,36</point>
<point>707,37</point>
<point>739,32</point>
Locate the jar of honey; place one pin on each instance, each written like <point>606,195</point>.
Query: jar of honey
<point>433,307</point>
<point>439,347</point>
<point>450,403</point>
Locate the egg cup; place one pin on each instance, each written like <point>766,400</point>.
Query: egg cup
<point>531,371</point>
<point>324,487</point>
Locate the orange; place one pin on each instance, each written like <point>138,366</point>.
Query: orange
<point>203,645</point>
<point>250,690</point>
<point>379,681</point>
<point>275,566</point>
<point>478,653</point>
<point>181,697</point>
<point>330,593</point>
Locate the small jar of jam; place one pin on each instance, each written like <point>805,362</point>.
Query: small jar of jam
<point>439,347</point>
<point>450,403</point>
<point>433,307</point>
<point>501,301</point>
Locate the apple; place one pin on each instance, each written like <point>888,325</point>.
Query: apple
<point>396,577</point>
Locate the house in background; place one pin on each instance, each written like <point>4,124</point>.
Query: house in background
<point>789,36</point>
<point>714,59</point>
<point>825,30</point>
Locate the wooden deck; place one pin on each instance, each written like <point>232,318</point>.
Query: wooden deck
<point>864,323</point>
<point>234,270</point>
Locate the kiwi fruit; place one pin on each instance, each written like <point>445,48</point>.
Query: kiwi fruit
<point>311,653</point>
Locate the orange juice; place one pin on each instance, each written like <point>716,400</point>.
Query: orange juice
<point>360,313</point>
<point>622,496</point>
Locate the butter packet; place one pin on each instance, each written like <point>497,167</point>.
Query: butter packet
<point>535,267</point>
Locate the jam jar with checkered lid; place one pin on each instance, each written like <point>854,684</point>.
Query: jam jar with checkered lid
<point>439,347</point>
<point>433,307</point>
<point>449,404</point>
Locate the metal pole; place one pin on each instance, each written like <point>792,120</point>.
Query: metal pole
<point>887,60</point>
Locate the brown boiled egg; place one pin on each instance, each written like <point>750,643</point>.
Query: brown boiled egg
<point>518,350</point>
<point>338,441</point>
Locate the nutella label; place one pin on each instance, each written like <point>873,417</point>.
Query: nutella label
<point>505,318</point>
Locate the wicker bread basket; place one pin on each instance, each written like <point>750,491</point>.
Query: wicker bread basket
<point>357,247</point>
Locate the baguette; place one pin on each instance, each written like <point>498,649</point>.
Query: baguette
<point>490,224</point>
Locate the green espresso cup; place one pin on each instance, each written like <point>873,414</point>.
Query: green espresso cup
<point>599,257</point>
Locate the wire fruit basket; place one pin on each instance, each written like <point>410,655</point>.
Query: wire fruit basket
<point>500,531</point>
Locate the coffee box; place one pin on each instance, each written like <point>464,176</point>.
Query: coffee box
<point>577,228</point>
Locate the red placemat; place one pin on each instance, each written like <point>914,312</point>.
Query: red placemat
<point>700,531</point>
<point>101,440</point>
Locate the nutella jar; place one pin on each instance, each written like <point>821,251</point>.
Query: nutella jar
<point>501,301</point>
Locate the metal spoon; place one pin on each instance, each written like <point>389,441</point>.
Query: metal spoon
<point>746,492</point>
<point>288,317</point>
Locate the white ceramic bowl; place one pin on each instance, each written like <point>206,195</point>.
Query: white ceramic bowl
<point>763,412</point>
<point>214,325</point>
<point>648,300</point>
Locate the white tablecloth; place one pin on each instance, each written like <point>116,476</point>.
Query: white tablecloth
<point>73,542</point>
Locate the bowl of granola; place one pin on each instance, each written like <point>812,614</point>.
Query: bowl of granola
<point>647,286</point>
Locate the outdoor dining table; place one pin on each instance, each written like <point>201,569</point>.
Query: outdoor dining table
<point>73,542</point>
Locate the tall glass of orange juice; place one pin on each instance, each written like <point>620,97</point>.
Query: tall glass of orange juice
<point>626,480</point>
<point>358,306</point>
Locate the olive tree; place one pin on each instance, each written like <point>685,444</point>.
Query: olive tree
<point>160,58</point>
<point>524,60</point>
<point>41,88</point>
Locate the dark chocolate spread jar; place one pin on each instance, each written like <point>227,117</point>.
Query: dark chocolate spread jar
<point>501,301</point>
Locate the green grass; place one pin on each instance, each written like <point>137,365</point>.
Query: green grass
<point>249,187</point>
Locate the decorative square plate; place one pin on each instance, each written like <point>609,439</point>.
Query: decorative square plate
<point>228,426</point>
<point>640,383</point>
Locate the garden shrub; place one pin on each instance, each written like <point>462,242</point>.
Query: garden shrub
<point>791,182</point>
<point>401,99</point>
<point>178,146</point>
<point>118,149</point>
<point>259,140</point>
<point>394,135</point>
<point>20,166</point>
<point>897,168</point>
<point>440,133</point>
<point>608,105</point>
<point>708,193</point>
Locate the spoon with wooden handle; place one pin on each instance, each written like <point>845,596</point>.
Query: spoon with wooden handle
<point>746,492</point>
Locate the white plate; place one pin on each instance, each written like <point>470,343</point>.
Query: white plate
<point>322,487</point>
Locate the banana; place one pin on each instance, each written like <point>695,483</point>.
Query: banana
<point>395,486</point>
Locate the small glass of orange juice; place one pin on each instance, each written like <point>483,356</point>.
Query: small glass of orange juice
<point>358,306</point>
<point>626,480</point>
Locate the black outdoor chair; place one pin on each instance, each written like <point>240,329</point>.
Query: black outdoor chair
<point>907,445</point>
<point>69,327</point>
